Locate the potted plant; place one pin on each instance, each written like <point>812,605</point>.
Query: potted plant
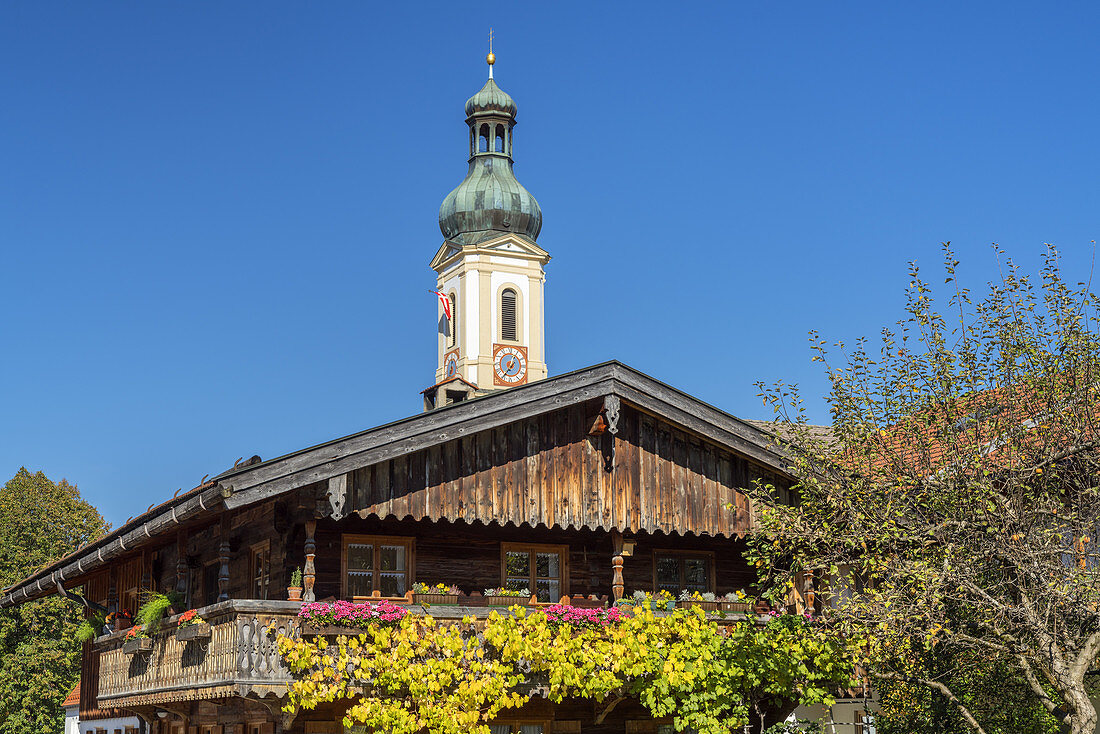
<point>705,600</point>
<point>338,617</point>
<point>91,628</point>
<point>120,620</point>
<point>190,626</point>
<point>735,601</point>
<point>154,609</point>
<point>294,591</point>
<point>438,594</point>
<point>661,601</point>
<point>502,597</point>
<point>137,640</point>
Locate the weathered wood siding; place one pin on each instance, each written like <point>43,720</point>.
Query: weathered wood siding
<point>548,471</point>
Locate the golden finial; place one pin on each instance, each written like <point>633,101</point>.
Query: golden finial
<point>491,58</point>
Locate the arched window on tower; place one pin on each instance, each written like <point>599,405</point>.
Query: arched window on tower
<point>498,141</point>
<point>473,140</point>
<point>452,325</point>
<point>483,139</point>
<point>508,315</point>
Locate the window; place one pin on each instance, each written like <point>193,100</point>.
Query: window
<point>675,572</point>
<point>508,315</point>
<point>498,139</point>
<point>864,723</point>
<point>452,325</point>
<point>518,728</point>
<point>260,569</point>
<point>483,139</point>
<point>376,563</point>
<point>539,568</point>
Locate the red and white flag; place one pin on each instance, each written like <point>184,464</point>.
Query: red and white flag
<point>446,303</point>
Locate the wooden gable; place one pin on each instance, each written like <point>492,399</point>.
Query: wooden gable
<point>551,470</point>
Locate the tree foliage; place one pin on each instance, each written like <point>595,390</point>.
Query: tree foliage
<point>452,678</point>
<point>40,521</point>
<point>957,509</point>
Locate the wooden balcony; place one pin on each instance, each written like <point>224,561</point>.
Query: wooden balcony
<point>237,659</point>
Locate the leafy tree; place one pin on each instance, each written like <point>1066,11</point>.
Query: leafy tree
<point>40,521</point>
<point>957,509</point>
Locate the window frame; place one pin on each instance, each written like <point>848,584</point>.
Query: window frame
<point>546,724</point>
<point>376,541</point>
<point>684,555</point>
<point>533,548</point>
<point>513,286</point>
<point>257,549</point>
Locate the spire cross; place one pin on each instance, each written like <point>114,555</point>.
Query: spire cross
<point>490,59</point>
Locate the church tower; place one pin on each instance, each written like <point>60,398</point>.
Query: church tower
<point>489,267</point>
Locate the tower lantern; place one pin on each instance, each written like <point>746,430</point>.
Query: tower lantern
<point>489,268</point>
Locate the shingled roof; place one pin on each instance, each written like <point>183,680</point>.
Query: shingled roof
<point>256,481</point>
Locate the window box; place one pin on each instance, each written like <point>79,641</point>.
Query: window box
<point>451,599</point>
<point>706,606</point>
<point>509,601</point>
<point>738,607</point>
<point>190,632</point>
<point>136,645</point>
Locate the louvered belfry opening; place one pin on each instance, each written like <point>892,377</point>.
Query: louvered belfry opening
<point>508,315</point>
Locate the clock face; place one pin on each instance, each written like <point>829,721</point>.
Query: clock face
<point>450,365</point>
<point>509,365</point>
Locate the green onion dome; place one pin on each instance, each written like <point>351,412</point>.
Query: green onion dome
<point>490,201</point>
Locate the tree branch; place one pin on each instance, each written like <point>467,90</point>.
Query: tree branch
<point>943,689</point>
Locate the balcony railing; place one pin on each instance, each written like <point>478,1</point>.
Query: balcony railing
<point>238,658</point>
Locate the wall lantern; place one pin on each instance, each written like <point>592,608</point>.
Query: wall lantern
<point>628,547</point>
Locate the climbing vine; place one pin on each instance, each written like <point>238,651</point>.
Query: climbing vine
<point>451,677</point>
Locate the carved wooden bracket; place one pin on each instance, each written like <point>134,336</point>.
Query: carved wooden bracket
<point>610,419</point>
<point>337,497</point>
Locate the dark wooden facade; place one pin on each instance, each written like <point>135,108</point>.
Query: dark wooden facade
<point>576,463</point>
<point>551,470</point>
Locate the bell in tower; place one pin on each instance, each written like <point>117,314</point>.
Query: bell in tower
<point>489,269</point>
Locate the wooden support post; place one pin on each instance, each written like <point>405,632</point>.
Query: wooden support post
<point>309,575</point>
<point>112,589</point>
<point>146,571</point>
<point>182,572</point>
<point>616,565</point>
<point>223,558</point>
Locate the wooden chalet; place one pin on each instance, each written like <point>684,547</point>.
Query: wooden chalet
<point>580,487</point>
<point>591,484</point>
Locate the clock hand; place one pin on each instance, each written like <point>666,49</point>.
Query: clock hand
<point>511,363</point>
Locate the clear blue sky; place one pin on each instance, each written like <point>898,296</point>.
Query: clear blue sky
<point>216,218</point>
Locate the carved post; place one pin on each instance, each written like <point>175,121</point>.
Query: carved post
<point>309,573</point>
<point>617,565</point>
<point>182,575</point>
<point>223,558</point>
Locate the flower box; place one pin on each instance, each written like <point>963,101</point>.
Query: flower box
<point>136,645</point>
<point>706,606</point>
<point>508,601</point>
<point>190,632</point>
<point>435,599</point>
<point>333,629</point>
<point>740,607</point>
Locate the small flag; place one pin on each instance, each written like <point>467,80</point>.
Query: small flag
<point>446,303</point>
